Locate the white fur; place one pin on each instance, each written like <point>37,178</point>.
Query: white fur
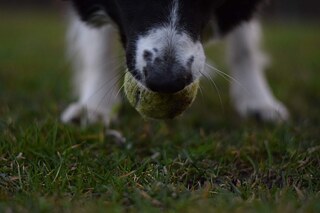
<point>168,37</point>
<point>174,18</point>
<point>250,91</point>
<point>92,51</point>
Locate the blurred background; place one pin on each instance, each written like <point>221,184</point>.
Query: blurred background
<point>285,9</point>
<point>32,59</point>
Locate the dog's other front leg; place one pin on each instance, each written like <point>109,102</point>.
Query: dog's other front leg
<point>94,59</point>
<point>250,92</point>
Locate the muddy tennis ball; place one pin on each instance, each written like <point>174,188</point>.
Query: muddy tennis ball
<point>158,105</point>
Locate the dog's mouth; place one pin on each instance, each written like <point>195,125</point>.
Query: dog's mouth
<point>164,81</point>
<point>167,72</point>
<point>158,105</point>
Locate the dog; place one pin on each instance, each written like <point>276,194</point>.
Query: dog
<point>163,46</point>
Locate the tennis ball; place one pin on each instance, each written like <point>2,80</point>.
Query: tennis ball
<point>158,105</point>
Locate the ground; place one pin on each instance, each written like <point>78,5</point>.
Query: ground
<point>207,160</point>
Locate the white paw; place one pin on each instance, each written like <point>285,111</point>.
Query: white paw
<point>272,111</point>
<point>78,113</point>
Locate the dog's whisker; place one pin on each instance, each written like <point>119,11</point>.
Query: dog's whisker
<point>116,79</point>
<point>228,78</point>
<point>110,91</point>
<point>110,62</point>
<point>120,89</point>
<point>201,92</point>
<point>215,86</point>
<point>115,85</point>
<point>220,72</point>
<point>116,76</point>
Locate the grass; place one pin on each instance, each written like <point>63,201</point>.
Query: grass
<point>208,160</point>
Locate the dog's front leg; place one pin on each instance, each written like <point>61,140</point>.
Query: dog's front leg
<point>249,89</point>
<point>93,54</point>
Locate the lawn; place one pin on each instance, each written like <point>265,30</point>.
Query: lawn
<point>206,161</point>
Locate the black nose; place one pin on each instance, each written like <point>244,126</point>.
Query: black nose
<point>166,76</point>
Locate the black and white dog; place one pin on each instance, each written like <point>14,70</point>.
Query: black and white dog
<point>162,41</point>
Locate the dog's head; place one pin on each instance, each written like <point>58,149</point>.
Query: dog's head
<point>162,38</point>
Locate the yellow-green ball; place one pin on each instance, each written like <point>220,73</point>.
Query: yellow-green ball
<point>158,105</point>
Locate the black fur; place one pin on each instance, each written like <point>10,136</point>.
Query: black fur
<point>136,17</point>
<point>232,12</point>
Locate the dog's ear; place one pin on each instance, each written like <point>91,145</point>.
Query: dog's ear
<point>231,13</point>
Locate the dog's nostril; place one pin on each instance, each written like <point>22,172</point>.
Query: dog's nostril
<point>157,60</point>
<point>147,55</point>
<point>190,61</point>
